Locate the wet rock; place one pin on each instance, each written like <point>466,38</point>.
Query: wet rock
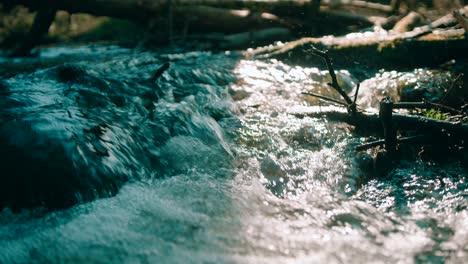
<point>49,170</point>
<point>270,168</point>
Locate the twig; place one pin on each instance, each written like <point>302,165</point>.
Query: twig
<point>325,98</point>
<point>354,106</point>
<point>370,145</point>
<point>445,21</point>
<point>356,93</point>
<point>381,142</point>
<point>409,105</point>
<point>160,71</point>
<point>447,108</point>
<point>424,105</point>
<point>334,84</point>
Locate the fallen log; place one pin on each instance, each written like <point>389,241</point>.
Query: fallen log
<point>368,120</point>
<point>370,6</point>
<point>406,52</point>
<point>138,10</point>
<point>407,23</point>
<point>227,16</point>
<point>382,49</point>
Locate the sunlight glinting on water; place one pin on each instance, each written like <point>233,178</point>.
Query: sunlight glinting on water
<point>220,171</point>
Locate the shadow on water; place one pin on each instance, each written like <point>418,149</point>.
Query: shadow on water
<point>78,131</point>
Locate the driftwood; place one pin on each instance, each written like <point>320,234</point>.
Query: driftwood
<point>138,10</point>
<point>386,52</point>
<point>408,22</point>
<point>334,84</point>
<point>425,105</point>
<point>401,121</point>
<point>208,15</point>
<point>370,6</point>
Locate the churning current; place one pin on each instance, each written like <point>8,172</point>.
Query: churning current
<point>206,165</point>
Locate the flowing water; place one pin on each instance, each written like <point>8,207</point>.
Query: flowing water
<point>207,165</point>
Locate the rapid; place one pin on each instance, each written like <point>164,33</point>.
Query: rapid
<point>208,165</point>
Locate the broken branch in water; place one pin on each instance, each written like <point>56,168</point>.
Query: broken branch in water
<point>325,98</point>
<point>391,51</point>
<point>360,4</point>
<point>353,107</point>
<point>425,105</point>
<point>356,93</point>
<point>401,121</point>
<point>408,22</point>
<point>160,71</point>
<point>334,84</point>
<point>381,142</point>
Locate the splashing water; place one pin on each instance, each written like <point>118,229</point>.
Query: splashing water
<point>217,171</point>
